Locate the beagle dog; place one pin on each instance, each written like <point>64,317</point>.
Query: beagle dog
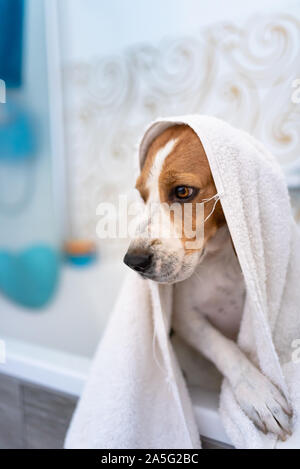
<point>209,290</point>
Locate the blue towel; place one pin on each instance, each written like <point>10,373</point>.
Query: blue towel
<point>11,41</point>
<point>30,277</point>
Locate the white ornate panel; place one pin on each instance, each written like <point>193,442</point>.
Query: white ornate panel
<point>241,73</point>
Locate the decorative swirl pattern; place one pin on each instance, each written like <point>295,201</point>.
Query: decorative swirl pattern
<point>243,74</point>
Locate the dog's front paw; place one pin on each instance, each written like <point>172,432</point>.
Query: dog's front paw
<point>263,403</point>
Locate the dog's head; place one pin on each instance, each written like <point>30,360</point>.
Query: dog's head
<point>175,173</point>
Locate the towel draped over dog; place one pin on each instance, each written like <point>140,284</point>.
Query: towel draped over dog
<point>136,396</point>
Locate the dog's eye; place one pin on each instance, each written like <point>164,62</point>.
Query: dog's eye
<point>184,192</point>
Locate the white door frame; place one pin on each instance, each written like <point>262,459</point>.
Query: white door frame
<point>57,136</point>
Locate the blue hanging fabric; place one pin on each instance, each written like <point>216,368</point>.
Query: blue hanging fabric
<point>17,133</point>
<point>29,277</point>
<point>11,42</point>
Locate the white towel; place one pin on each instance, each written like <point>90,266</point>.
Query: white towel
<point>136,396</point>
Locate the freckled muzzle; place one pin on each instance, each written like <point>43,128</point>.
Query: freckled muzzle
<point>156,263</point>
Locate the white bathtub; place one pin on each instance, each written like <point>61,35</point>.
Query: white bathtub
<point>54,347</point>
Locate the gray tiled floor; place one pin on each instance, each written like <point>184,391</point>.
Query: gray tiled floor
<point>11,418</point>
<point>208,443</point>
<point>38,418</point>
<point>46,417</point>
<point>32,417</point>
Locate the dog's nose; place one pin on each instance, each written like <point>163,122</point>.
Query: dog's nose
<point>139,262</point>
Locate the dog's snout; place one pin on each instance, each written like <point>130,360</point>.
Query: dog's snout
<point>138,261</point>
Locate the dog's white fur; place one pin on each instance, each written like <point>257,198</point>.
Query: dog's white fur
<point>211,326</point>
<point>152,182</point>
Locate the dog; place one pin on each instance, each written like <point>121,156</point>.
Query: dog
<point>209,286</point>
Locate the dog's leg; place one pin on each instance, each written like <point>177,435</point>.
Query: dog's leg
<point>258,397</point>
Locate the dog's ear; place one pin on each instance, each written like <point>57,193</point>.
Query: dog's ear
<point>142,161</point>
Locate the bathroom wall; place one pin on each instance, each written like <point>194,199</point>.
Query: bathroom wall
<point>90,28</point>
<point>125,64</point>
<point>122,68</point>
